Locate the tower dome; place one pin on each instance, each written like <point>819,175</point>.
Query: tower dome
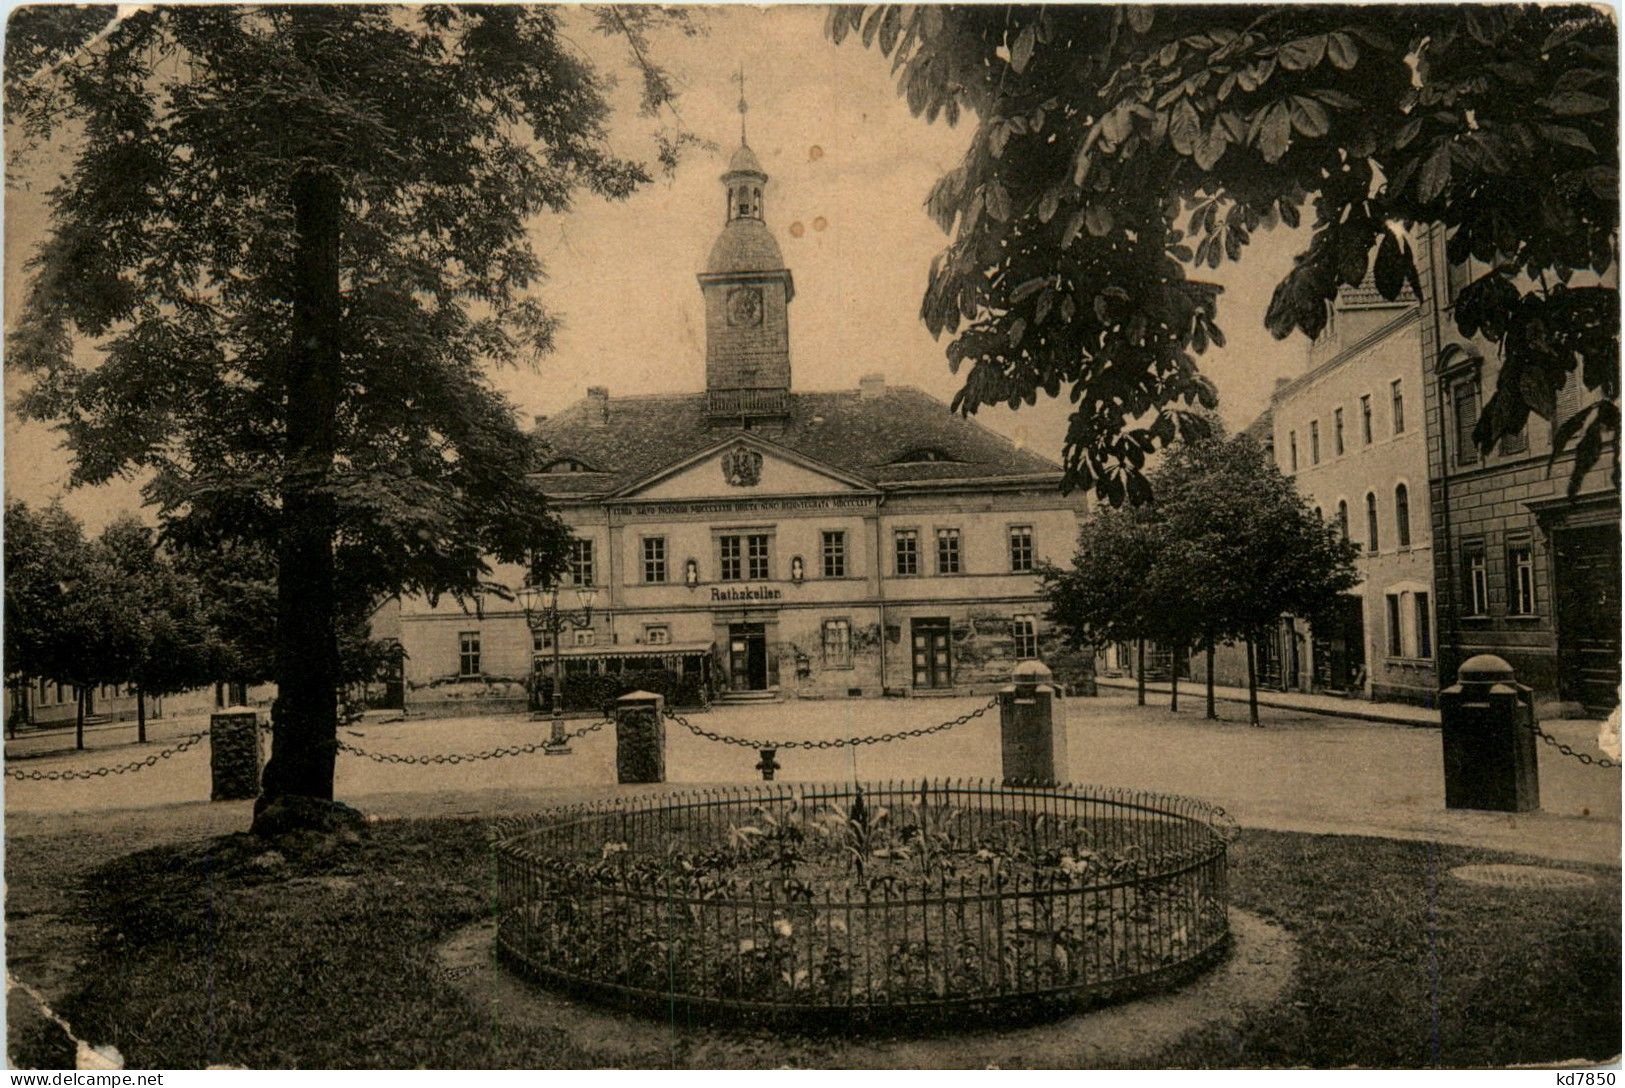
<point>745,245</point>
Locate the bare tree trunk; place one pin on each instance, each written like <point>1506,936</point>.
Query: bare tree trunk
<point>1212,713</point>
<point>78,717</point>
<point>304,716</point>
<point>1139,675</point>
<point>1252,682</point>
<point>1173,678</point>
<point>140,715</point>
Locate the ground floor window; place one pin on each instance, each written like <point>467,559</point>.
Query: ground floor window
<point>1396,640</point>
<point>838,644</point>
<point>468,653</point>
<point>1424,627</point>
<point>1025,631</point>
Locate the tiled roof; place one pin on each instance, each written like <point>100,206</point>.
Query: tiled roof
<point>1367,294</point>
<point>862,436</point>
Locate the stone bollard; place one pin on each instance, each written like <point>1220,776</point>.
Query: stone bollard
<point>640,737</point>
<point>1032,727</point>
<point>234,754</point>
<point>1487,719</point>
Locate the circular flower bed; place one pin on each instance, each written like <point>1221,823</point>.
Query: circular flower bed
<point>834,906</point>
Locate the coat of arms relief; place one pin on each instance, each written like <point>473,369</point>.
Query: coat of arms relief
<point>742,467</point>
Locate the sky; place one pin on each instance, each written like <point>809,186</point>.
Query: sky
<point>849,170</point>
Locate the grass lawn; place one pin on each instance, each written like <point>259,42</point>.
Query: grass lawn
<point>206,954</point>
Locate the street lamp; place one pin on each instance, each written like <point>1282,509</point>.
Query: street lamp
<point>544,617</point>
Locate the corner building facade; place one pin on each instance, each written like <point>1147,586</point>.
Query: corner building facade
<point>774,543</point>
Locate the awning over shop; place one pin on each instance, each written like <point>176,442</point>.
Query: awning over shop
<point>646,651</point>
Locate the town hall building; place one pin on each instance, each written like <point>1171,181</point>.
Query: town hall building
<point>764,542</point>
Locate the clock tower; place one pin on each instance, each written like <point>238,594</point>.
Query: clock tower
<point>747,296</point>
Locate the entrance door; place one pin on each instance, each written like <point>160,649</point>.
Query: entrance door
<point>933,667</point>
<point>1340,655</point>
<point>1588,614</point>
<point>747,657</point>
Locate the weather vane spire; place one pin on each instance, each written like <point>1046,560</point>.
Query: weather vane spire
<point>743,108</point>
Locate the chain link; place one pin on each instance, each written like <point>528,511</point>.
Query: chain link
<point>839,742</point>
<point>103,772</point>
<point>473,757</point>
<point>1584,757</point>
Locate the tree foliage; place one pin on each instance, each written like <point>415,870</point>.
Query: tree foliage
<point>296,238</point>
<point>1227,546</point>
<point>1118,149</point>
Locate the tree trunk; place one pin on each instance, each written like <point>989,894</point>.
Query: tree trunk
<point>1173,679</point>
<point>1212,713</point>
<point>1139,675</point>
<point>140,715</point>
<point>1252,683</point>
<point>304,716</point>
<point>79,717</point>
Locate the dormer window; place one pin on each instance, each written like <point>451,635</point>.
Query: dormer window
<point>922,455</point>
<point>567,464</point>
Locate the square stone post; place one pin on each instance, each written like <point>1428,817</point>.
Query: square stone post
<point>1032,727</point>
<point>640,737</point>
<point>234,754</point>
<point>1487,720</point>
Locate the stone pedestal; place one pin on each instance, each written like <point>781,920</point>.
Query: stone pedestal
<point>234,754</point>
<point>1032,727</point>
<point>1490,758</point>
<point>640,737</point>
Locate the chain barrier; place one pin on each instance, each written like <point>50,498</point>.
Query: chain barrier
<point>474,757</point>
<point>1584,757</point>
<point>103,772</point>
<point>839,742</point>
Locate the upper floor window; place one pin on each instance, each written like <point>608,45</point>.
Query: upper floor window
<point>581,572</point>
<point>1397,390</point>
<point>1402,515</point>
<point>730,559</point>
<point>1521,579</point>
<point>1477,579</point>
<point>657,634</point>
<point>947,551</point>
<point>1314,441</point>
<point>757,567</point>
<point>906,551</point>
<point>1021,548</point>
<point>468,653</point>
<point>1464,415</point>
<point>1371,520</point>
<point>1292,449</point>
<point>1365,419</point>
<point>654,559</point>
<point>1343,518</point>
<point>834,553</point>
<point>1337,431</point>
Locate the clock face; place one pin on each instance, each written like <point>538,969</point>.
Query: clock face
<point>744,306</point>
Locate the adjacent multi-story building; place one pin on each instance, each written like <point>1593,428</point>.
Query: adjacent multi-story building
<point>757,538</point>
<point>1523,570</point>
<point>1349,432</point>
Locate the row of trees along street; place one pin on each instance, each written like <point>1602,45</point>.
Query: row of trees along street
<point>1226,547</point>
<point>126,608</point>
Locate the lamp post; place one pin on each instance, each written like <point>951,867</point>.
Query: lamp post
<point>544,616</point>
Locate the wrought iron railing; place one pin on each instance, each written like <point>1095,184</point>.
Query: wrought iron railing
<point>856,904</point>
